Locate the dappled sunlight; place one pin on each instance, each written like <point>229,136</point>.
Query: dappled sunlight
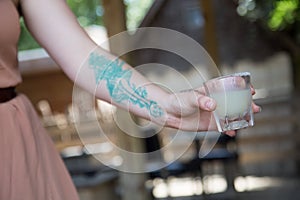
<point>251,183</point>
<point>212,184</point>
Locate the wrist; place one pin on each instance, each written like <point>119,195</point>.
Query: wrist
<point>171,115</point>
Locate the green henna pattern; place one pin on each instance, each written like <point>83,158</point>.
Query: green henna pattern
<point>118,83</point>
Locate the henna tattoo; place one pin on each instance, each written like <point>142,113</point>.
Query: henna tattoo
<point>119,85</point>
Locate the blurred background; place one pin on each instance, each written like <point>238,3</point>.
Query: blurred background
<point>262,162</point>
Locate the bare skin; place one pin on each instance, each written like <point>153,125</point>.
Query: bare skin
<point>55,27</point>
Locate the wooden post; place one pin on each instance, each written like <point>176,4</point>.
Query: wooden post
<point>210,38</point>
<point>296,72</point>
<point>132,184</point>
<point>114,16</point>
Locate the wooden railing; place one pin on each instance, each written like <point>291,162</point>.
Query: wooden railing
<point>271,147</point>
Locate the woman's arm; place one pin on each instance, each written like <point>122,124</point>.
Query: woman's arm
<point>55,27</point>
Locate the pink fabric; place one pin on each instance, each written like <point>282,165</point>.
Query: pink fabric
<point>30,166</point>
<point>9,34</point>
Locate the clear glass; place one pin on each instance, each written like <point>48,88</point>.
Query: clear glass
<point>234,101</point>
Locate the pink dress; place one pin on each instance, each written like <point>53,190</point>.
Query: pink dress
<point>30,166</point>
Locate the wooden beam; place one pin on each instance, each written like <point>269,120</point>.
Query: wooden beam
<point>115,22</point>
<point>132,184</point>
<point>152,13</point>
<point>114,16</point>
<point>210,38</point>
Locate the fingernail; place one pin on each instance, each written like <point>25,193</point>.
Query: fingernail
<point>210,104</point>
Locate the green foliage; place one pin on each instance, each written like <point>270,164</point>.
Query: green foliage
<point>88,12</point>
<point>135,12</point>
<point>276,15</point>
<point>26,41</point>
<point>283,14</point>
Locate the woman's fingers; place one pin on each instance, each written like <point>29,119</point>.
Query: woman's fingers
<point>230,133</point>
<point>256,108</point>
<point>206,103</point>
<point>252,90</point>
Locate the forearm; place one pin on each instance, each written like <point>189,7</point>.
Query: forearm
<point>55,27</point>
<point>113,80</point>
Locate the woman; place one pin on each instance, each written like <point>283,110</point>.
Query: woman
<point>30,167</point>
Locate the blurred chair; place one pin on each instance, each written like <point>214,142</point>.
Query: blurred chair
<point>152,144</point>
<point>224,152</point>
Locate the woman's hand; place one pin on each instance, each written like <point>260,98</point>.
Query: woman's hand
<point>192,111</point>
<point>56,28</point>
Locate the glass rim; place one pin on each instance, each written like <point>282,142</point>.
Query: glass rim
<point>229,75</point>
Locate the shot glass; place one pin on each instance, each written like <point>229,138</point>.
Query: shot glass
<point>234,101</point>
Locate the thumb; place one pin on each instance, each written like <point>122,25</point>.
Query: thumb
<point>207,103</point>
